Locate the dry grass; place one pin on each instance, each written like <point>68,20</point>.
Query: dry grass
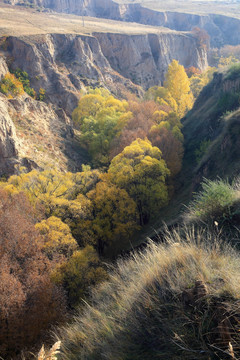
<point>32,22</point>
<point>230,8</point>
<point>51,354</point>
<point>177,300</point>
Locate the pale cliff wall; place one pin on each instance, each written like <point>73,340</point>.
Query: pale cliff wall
<point>64,64</point>
<point>145,58</point>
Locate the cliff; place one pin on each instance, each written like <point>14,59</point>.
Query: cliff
<point>145,58</point>
<point>64,64</point>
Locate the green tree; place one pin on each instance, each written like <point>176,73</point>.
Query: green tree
<point>141,171</point>
<point>100,117</point>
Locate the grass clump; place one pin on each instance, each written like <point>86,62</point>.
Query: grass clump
<point>233,72</point>
<point>217,200</point>
<point>177,300</point>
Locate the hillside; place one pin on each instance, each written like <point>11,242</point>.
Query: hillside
<point>215,121</point>
<point>177,301</point>
<point>211,141</point>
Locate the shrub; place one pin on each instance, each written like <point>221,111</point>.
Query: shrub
<point>41,94</point>
<point>23,77</point>
<point>216,199</point>
<point>11,86</point>
<point>233,71</point>
<point>204,145</point>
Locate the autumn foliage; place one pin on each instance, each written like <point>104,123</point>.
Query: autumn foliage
<point>50,258</point>
<point>29,301</point>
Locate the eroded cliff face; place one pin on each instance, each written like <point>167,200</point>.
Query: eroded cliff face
<point>35,135</point>
<point>145,58</point>
<point>9,144</point>
<point>63,65</point>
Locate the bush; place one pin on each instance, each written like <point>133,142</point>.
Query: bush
<point>215,200</point>
<point>233,72</point>
<point>23,77</point>
<point>11,86</point>
<point>204,145</point>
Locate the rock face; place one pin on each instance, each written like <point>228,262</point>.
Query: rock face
<point>9,144</point>
<point>145,58</point>
<point>64,64</point>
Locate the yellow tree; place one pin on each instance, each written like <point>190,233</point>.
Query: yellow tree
<point>115,214</point>
<point>140,169</point>
<point>178,84</point>
<point>79,273</point>
<point>57,237</point>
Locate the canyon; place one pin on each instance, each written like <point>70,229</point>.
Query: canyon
<point>64,54</point>
<point>64,65</point>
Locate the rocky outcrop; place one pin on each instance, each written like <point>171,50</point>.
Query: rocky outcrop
<point>65,64</point>
<point>33,135</point>
<point>145,58</point>
<point>3,68</point>
<point>9,144</point>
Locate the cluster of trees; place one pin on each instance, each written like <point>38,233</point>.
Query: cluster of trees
<point>108,125</point>
<point>16,82</point>
<point>43,271</point>
<point>23,77</point>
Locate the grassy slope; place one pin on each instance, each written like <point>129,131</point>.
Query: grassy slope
<point>175,301</point>
<point>32,22</point>
<point>191,6</point>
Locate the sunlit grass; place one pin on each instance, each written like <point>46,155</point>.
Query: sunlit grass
<point>150,308</point>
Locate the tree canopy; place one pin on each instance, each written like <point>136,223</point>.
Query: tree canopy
<point>140,169</point>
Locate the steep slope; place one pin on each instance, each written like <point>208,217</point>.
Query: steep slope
<point>177,301</point>
<point>33,134</point>
<point>215,122</point>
